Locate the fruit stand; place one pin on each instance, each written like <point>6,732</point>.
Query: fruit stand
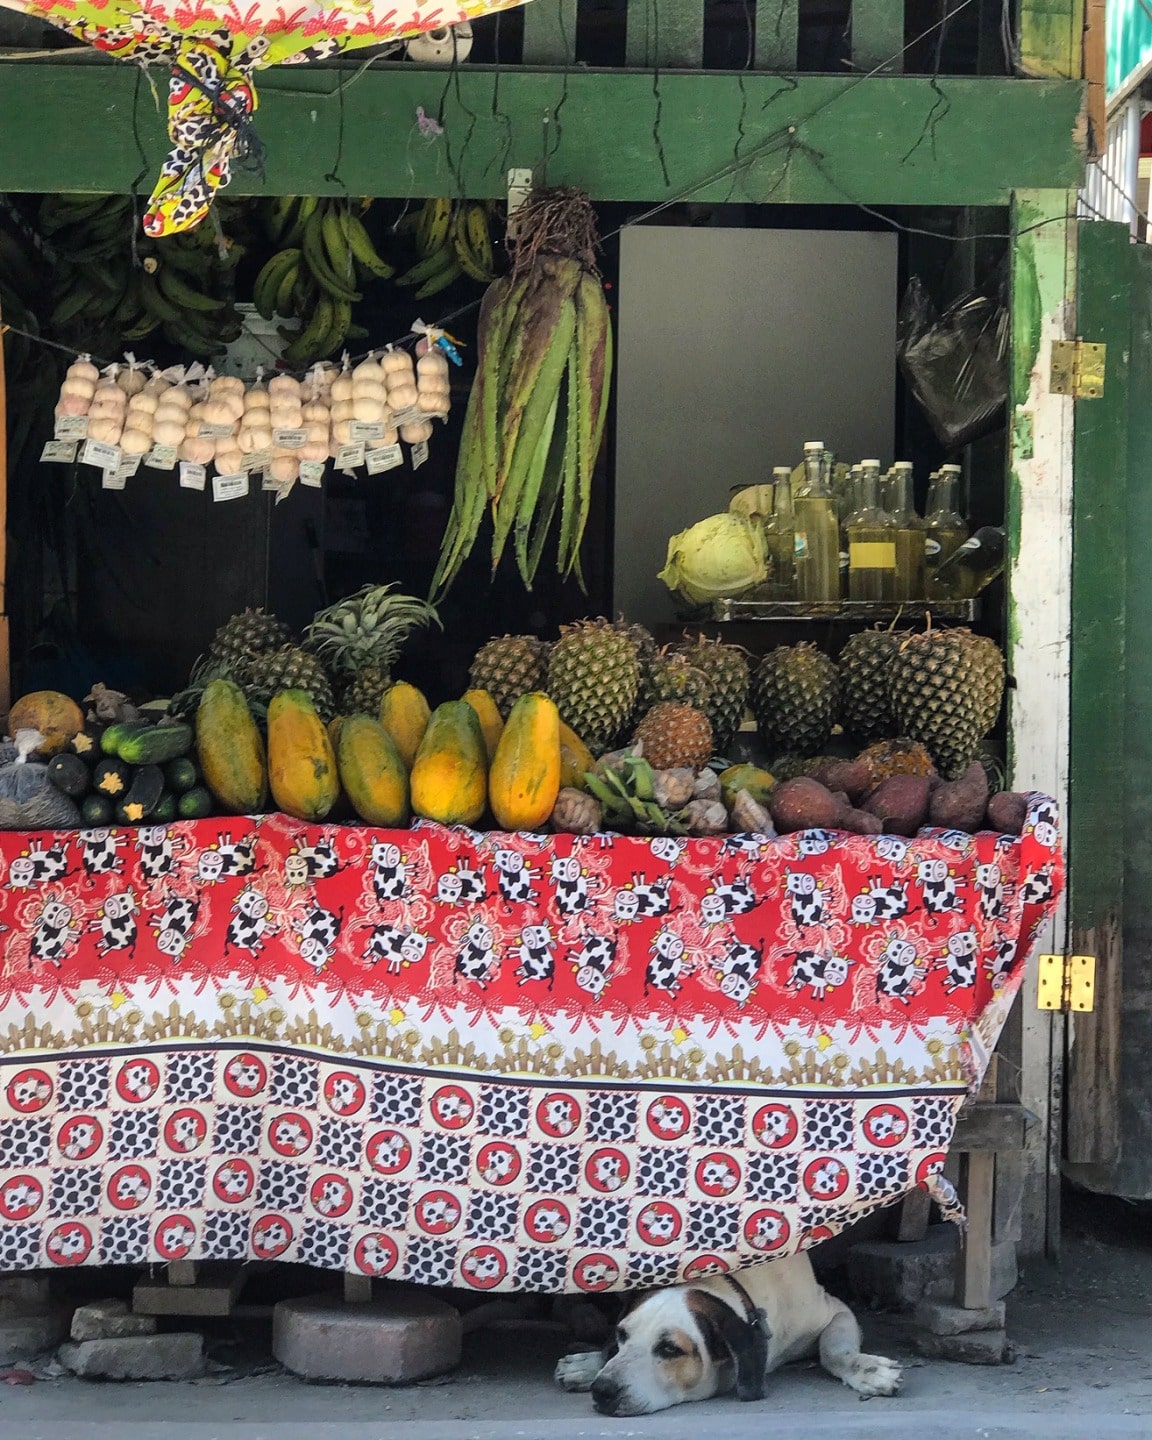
<point>644,886</point>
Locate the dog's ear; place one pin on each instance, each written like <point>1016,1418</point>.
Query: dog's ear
<point>730,1337</point>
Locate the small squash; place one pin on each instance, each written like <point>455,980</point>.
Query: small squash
<point>230,750</point>
<point>491,721</point>
<point>525,777</point>
<point>404,713</point>
<point>575,760</point>
<point>56,717</point>
<point>374,777</point>
<point>450,772</point>
<point>301,765</point>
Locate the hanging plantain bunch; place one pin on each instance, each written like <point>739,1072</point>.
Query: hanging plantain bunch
<point>535,417</point>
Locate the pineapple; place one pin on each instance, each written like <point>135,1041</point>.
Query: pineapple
<point>593,676</point>
<point>672,677</point>
<point>864,666</point>
<point>289,668</point>
<point>794,696</point>
<point>647,650</point>
<point>241,639</point>
<point>896,757</point>
<point>675,736</point>
<point>510,667</point>
<point>946,689</point>
<point>361,636</point>
<point>726,667</point>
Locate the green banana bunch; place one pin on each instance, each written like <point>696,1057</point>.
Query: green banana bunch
<point>626,791</point>
<point>535,419</point>
<point>101,298</point>
<point>451,240</point>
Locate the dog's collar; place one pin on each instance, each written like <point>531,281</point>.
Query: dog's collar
<point>753,1315</point>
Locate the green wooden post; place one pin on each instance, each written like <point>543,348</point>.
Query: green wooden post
<point>1052,39</point>
<point>777,34</point>
<point>878,36</point>
<point>1098,781</point>
<point>550,32</point>
<point>1039,523</point>
<point>665,33</point>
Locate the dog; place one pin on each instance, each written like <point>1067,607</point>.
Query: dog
<point>715,1335</point>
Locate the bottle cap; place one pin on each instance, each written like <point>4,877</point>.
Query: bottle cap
<point>951,469</point>
<point>813,445</point>
<point>780,471</point>
<point>902,465</point>
<point>866,464</point>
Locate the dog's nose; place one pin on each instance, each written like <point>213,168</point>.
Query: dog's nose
<point>605,1395</point>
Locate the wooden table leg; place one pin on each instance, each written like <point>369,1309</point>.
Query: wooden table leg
<point>974,1274</point>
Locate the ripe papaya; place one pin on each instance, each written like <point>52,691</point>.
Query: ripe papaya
<point>404,713</point>
<point>575,760</point>
<point>525,777</point>
<point>491,721</point>
<point>301,765</point>
<point>450,773</point>
<point>230,750</point>
<point>55,716</point>
<point>374,777</point>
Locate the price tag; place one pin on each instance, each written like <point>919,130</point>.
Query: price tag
<point>290,439</point>
<point>104,457</point>
<point>59,452</point>
<point>217,432</point>
<point>348,457</point>
<point>71,427</point>
<point>411,416</point>
<point>161,457</point>
<point>129,465</point>
<point>229,487</point>
<point>312,473</point>
<point>257,460</point>
<point>192,477</point>
<point>419,454</point>
<point>267,483</point>
<point>386,458</point>
<point>283,491</point>
<point>114,480</point>
<point>361,430</point>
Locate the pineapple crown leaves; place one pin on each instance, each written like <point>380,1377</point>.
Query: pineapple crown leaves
<point>370,627</point>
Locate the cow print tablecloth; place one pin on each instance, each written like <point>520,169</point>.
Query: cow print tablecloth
<point>488,1060</point>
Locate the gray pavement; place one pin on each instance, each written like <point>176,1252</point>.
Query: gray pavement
<point>1084,1372</point>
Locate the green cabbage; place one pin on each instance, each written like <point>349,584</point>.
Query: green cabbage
<point>714,559</point>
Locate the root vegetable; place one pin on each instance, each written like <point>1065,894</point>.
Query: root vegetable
<point>168,433</point>
<point>72,405</point>
<point>136,442</point>
<point>106,429</point>
<point>804,804</point>
<point>749,817</point>
<point>705,817</point>
<point>83,369</point>
<point>402,397</point>
<point>960,804</point>
<point>198,450</point>
<point>576,813</point>
<point>673,789</point>
<point>861,822</point>
<point>1007,812</point>
<point>417,433</point>
<point>901,803</point>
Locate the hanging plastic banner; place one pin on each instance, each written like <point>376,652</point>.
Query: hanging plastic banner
<point>211,49</point>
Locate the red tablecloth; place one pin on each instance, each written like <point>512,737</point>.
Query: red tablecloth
<point>498,1061</point>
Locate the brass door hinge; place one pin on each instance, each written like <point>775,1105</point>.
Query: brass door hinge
<point>1077,369</point>
<point>1066,982</point>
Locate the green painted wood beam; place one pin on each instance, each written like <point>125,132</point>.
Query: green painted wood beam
<point>806,139</point>
<point>1051,42</point>
<point>877,36</point>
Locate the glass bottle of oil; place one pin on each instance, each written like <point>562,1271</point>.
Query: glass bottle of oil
<point>871,541</point>
<point>910,576</point>
<point>945,531</point>
<point>817,533</point>
<point>845,506</point>
<point>780,535</point>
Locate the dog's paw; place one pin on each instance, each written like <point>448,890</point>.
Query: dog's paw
<point>873,1375</point>
<point>577,1372</point>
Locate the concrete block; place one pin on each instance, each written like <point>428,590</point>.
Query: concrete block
<point>891,1276</point>
<point>213,1295</point>
<point>938,1317</point>
<point>981,1347</point>
<point>24,1292</point>
<point>31,1332</point>
<point>109,1320</point>
<point>394,1340</point>
<point>143,1357</point>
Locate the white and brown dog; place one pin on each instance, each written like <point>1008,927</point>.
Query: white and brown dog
<point>722,1333</point>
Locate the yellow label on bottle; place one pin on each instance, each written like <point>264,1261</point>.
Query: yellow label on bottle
<point>872,555</point>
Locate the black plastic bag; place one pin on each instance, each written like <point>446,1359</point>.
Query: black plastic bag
<point>957,362</point>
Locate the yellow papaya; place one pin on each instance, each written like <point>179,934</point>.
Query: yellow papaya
<point>404,714</point>
<point>56,717</point>
<point>491,722</point>
<point>230,750</point>
<point>301,765</point>
<point>334,732</point>
<point>449,781</point>
<point>575,759</point>
<point>374,776</point>
<point>525,777</point>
